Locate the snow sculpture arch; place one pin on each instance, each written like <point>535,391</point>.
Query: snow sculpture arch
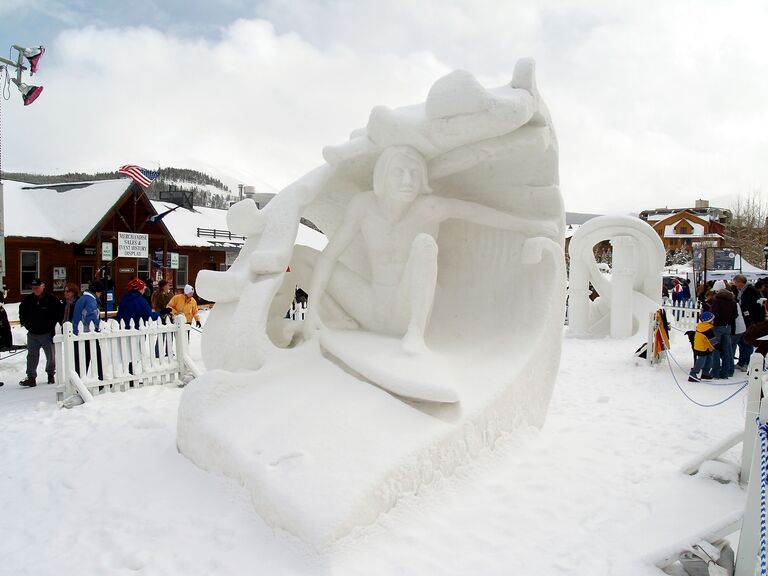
<point>633,289</point>
<point>330,431</point>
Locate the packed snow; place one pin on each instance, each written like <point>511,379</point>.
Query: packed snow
<point>101,489</point>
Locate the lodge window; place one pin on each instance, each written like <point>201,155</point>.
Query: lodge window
<point>30,269</point>
<point>142,268</point>
<point>182,274</point>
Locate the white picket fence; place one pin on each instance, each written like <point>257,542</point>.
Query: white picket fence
<point>683,315</point>
<point>153,353</point>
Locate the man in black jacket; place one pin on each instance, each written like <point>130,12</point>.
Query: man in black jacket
<point>38,313</point>
<point>752,310</point>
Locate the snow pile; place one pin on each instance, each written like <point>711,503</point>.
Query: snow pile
<point>101,489</point>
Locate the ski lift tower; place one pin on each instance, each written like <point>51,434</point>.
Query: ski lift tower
<point>26,59</point>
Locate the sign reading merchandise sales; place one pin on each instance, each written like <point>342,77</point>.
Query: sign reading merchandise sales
<point>132,245</point>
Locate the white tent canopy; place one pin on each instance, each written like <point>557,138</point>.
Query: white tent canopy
<point>740,266</point>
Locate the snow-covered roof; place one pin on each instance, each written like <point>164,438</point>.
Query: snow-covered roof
<point>183,224</point>
<point>64,212</point>
<point>665,215</point>
<point>697,229</point>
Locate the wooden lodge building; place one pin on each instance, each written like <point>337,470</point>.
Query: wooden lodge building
<point>68,233</point>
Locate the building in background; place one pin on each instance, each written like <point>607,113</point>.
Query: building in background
<point>685,228</point>
<point>69,233</point>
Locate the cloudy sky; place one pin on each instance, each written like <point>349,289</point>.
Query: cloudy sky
<point>655,103</point>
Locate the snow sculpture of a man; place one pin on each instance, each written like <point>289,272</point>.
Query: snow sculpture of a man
<point>445,224</point>
<point>399,222</point>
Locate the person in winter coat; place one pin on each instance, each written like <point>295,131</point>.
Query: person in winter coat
<point>686,290</point>
<point>161,297</point>
<point>703,346</point>
<point>185,304</point>
<point>6,338</point>
<point>724,308</point>
<point>753,311</point>
<point>38,313</point>
<point>706,305</point>
<point>87,308</point>
<point>677,292</point>
<point>71,294</point>
<point>147,291</point>
<point>133,306</point>
<point>87,311</point>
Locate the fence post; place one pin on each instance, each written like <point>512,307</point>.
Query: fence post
<point>755,376</point>
<point>61,368</point>
<point>749,540</point>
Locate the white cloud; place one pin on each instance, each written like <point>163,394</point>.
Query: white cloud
<point>259,103</point>
<point>655,103</point>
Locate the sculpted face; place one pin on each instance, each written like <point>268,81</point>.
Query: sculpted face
<point>403,180</point>
<point>400,174</point>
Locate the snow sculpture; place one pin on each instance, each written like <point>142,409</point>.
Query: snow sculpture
<point>633,289</point>
<point>435,316</point>
<point>399,222</point>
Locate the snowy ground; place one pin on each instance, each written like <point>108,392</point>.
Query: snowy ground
<point>101,489</point>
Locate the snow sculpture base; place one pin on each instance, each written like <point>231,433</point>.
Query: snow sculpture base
<point>322,452</point>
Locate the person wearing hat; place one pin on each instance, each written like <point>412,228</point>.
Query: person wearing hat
<point>38,313</point>
<point>187,305</point>
<point>87,308</point>
<point>133,306</point>
<point>704,342</point>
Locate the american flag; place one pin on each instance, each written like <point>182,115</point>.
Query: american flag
<point>141,176</point>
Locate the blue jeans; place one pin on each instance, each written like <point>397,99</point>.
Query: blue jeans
<point>722,359</point>
<point>703,364</point>
<point>745,350</point>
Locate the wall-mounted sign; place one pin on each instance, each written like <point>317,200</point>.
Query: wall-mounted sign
<point>106,251</point>
<point>83,250</point>
<point>126,270</point>
<point>59,278</point>
<point>132,245</point>
<point>174,260</point>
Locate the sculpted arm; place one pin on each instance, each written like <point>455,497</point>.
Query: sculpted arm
<point>335,248</point>
<point>486,216</point>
